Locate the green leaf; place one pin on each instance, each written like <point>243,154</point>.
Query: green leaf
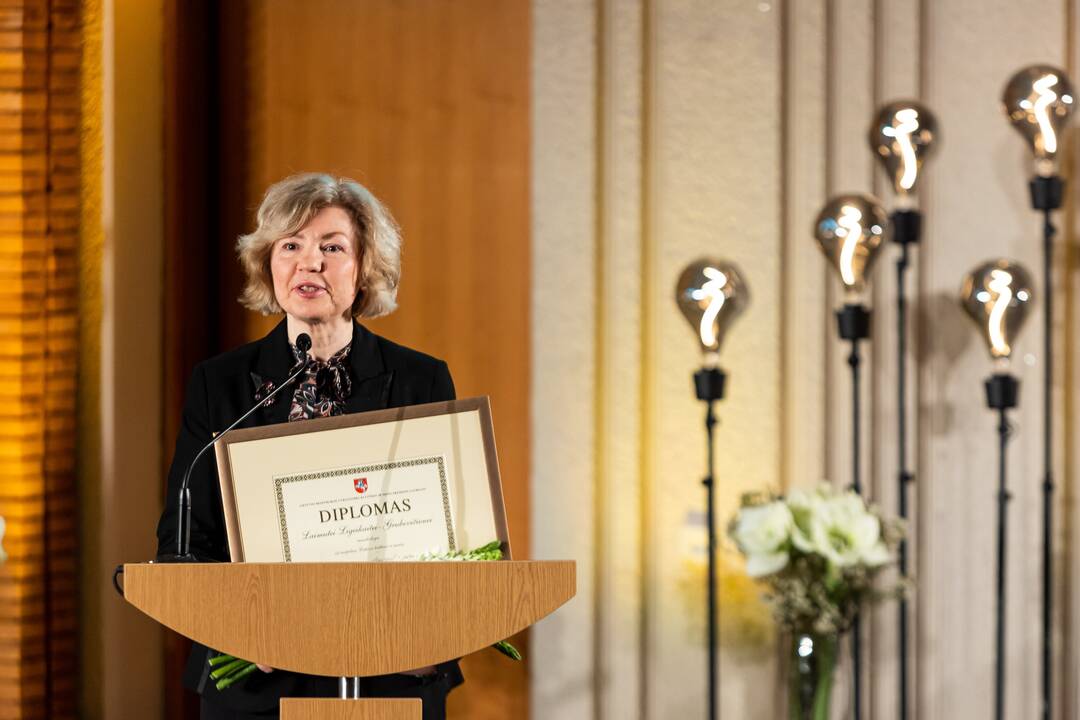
<point>219,659</point>
<point>495,546</point>
<point>228,669</point>
<point>507,649</point>
<point>235,677</point>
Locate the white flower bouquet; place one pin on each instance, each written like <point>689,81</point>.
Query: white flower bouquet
<point>818,552</point>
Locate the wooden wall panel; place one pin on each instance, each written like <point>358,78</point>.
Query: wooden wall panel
<point>193,201</point>
<point>426,102</point>
<point>39,217</point>
<point>120,431</point>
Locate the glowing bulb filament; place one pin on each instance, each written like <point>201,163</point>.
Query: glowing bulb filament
<point>1046,96</point>
<point>849,220</point>
<point>909,123</point>
<point>714,291</point>
<point>1000,284</point>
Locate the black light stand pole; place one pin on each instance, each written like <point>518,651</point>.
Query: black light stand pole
<point>906,226</point>
<point>853,322</point>
<point>709,386</point>
<point>1002,394</point>
<point>1046,195</point>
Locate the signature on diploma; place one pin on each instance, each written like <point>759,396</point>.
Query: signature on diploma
<point>342,531</point>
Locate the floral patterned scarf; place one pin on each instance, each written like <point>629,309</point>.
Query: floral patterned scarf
<point>323,389</point>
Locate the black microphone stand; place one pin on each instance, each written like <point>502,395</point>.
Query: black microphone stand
<point>906,226</point>
<point>1046,195</point>
<point>183,525</point>
<point>1002,394</point>
<point>709,387</point>
<point>853,323</point>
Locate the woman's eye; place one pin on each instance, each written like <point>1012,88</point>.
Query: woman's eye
<point>333,249</point>
<point>288,246</point>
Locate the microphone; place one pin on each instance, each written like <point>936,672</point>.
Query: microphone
<point>183,526</point>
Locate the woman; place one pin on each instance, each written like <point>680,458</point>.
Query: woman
<point>325,252</point>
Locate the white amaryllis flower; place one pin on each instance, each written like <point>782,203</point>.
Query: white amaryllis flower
<point>841,529</point>
<point>804,506</point>
<point>763,533</point>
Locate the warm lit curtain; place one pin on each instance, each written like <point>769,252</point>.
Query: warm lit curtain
<point>39,220</point>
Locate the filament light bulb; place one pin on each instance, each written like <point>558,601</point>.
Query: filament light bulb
<point>903,136</point>
<point>1038,101</point>
<point>849,231</point>
<point>997,296</point>
<point>711,294</point>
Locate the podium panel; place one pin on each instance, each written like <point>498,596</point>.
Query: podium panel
<point>349,619</point>
<point>325,709</point>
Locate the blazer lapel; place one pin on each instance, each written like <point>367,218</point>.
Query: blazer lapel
<point>370,394</point>
<point>371,380</point>
<point>272,365</point>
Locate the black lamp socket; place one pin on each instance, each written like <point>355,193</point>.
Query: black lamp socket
<point>1002,391</point>
<point>853,322</point>
<point>1047,192</point>
<point>709,383</point>
<point>906,226</point>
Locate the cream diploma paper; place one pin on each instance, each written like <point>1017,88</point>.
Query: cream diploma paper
<point>252,459</point>
<point>393,510</point>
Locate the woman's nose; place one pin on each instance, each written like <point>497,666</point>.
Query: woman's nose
<point>311,259</point>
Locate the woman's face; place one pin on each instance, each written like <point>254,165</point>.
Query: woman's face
<point>315,271</point>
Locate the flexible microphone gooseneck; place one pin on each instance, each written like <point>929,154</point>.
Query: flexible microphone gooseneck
<point>183,533</point>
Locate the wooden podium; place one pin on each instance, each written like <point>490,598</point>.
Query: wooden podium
<point>349,619</point>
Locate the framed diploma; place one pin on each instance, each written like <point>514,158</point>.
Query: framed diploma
<point>384,485</point>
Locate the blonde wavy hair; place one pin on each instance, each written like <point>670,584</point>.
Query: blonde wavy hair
<point>289,205</point>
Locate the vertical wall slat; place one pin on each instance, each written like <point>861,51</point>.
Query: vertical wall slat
<point>805,277</point>
<point>563,341</point>
<point>39,206</point>
<point>1066,694</point>
<point>850,102</point>
<point>896,69</point>
<point>619,489</point>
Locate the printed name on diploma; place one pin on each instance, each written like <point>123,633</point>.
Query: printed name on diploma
<point>380,511</point>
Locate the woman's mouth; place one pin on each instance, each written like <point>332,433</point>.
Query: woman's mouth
<point>309,290</point>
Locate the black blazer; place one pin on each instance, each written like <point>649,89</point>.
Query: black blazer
<point>221,389</point>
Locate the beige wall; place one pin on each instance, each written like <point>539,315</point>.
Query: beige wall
<point>664,130</point>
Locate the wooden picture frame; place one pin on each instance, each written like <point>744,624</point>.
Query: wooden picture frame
<point>254,462</point>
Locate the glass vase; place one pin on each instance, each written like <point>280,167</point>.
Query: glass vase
<point>811,673</point>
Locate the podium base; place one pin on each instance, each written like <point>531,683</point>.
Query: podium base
<point>365,709</point>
